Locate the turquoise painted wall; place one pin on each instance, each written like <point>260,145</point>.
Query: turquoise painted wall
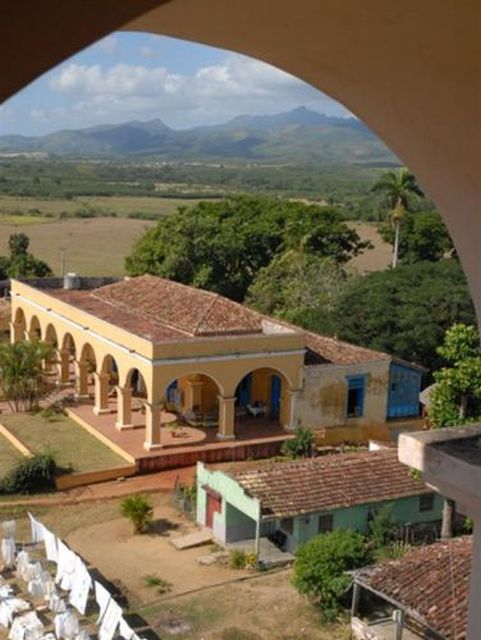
<point>404,511</point>
<point>240,512</point>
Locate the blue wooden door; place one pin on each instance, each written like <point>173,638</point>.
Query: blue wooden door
<point>171,389</point>
<point>243,392</point>
<point>276,388</point>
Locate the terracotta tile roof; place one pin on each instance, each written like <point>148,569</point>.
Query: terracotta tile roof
<point>330,482</point>
<point>159,309</point>
<point>331,350</point>
<point>431,583</point>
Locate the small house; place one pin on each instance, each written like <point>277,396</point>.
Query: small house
<point>291,502</point>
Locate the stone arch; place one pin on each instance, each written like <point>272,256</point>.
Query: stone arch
<point>136,381</point>
<point>87,354</point>
<point>35,330</point>
<point>19,325</point>
<point>263,391</point>
<point>195,396</point>
<point>50,335</point>
<point>68,344</point>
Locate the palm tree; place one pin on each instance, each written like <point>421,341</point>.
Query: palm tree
<point>398,189</point>
<point>21,374</point>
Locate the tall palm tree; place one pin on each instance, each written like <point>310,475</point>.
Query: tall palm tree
<point>398,188</point>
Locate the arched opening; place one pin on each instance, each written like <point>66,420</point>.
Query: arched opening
<point>18,327</point>
<point>262,397</point>
<point>35,332</point>
<point>194,398</point>
<point>66,359</point>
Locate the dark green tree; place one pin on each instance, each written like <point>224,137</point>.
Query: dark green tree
<point>405,311</point>
<point>321,564</point>
<point>299,287</point>
<point>424,237</point>
<point>221,246</point>
<point>20,263</point>
<point>456,398</point>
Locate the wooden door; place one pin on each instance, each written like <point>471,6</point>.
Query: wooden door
<point>214,505</point>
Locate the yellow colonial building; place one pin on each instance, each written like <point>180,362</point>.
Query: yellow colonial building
<point>159,346</point>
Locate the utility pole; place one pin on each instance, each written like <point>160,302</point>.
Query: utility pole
<point>62,261</point>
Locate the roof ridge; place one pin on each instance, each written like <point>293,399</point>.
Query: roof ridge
<point>216,297</point>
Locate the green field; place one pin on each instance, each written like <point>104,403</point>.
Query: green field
<point>9,456</point>
<point>72,447</point>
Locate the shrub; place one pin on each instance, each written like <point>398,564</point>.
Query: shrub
<point>237,559</point>
<point>139,511</point>
<point>301,445</point>
<point>382,528</point>
<point>31,475</point>
<point>320,566</point>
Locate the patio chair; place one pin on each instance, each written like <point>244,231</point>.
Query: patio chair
<point>194,417</point>
<point>257,409</point>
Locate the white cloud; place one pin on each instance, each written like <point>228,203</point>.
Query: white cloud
<point>147,52</point>
<point>108,44</point>
<point>212,94</point>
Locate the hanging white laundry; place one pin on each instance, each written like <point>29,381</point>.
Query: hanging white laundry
<point>125,630</point>
<point>56,604</point>
<point>66,625</point>
<point>5,615</point>
<point>51,545</point>
<point>8,551</point>
<point>82,635</point>
<point>26,627</point>
<point>22,561</point>
<point>102,597</point>
<point>36,528</point>
<point>110,621</point>
<point>81,584</point>
<point>8,527</point>
<point>67,561</point>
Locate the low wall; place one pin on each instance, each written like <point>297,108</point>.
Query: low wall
<point>230,453</point>
<point>69,481</point>
<point>15,442</point>
<point>362,433</point>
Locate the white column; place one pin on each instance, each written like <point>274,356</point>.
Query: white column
<point>81,379</point>
<point>226,418</point>
<point>152,426</point>
<point>101,381</point>
<point>124,407</point>
<point>293,395</point>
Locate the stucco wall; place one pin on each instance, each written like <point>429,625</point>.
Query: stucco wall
<point>237,511</point>
<point>404,511</point>
<point>323,401</point>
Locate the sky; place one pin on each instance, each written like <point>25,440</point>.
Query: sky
<point>137,76</point>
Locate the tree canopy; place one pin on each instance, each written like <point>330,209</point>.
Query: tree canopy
<point>424,237</point>
<point>299,287</point>
<point>405,311</point>
<point>20,263</point>
<point>222,245</point>
<point>456,398</point>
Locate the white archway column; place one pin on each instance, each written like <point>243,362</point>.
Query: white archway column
<point>293,395</point>
<point>63,366</point>
<point>101,381</point>
<point>152,426</point>
<point>16,332</point>
<point>124,407</point>
<point>226,418</point>
<point>193,393</point>
<point>81,379</point>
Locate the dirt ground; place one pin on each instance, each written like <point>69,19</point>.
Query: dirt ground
<point>122,556</point>
<point>376,259</point>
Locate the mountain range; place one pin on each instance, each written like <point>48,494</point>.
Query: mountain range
<point>297,136</point>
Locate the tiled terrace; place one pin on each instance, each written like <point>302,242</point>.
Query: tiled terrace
<point>255,438</point>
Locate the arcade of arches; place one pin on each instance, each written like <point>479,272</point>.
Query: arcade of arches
<point>117,379</point>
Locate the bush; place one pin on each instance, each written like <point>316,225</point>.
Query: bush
<point>139,511</point>
<point>301,445</point>
<point>320,566</point>
<point>382,528</point>
<point>31,475</point>
<point>237,559</point>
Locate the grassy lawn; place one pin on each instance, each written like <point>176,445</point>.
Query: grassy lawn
<point>9,456</point>
<point>71,445</point>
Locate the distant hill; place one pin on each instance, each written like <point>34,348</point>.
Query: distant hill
<point>297,136</point>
